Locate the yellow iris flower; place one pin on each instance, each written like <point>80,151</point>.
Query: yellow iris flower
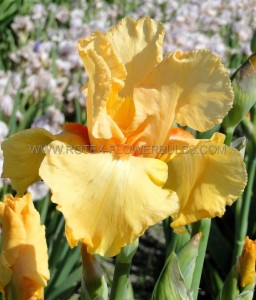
<point>23,259</point>
<point>111,193</point>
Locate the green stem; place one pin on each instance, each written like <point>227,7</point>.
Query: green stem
<point>243,208</point>
<point>203,226</point>
<point>122,269</point>
<point>229,135</point>
<point>174,241</point>
<point>168,233</point>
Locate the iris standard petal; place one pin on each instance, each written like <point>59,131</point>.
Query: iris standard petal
<point>99,42</point>
<point>203,89</point>
<point>139,45</point>
<point>192,88</point>
<point>107,202</point>
<point>155,99</point>
<point>206,178</point>
<point>100,124</point>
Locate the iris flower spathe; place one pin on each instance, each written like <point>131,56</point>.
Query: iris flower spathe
<point>134,97</point>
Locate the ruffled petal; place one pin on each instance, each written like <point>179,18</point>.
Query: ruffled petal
<point>203,89</point>
<point>110,106</point>
<point>207,177</point>
<point>100,124</point>
<point>99,42</point>
<point>23,154</point>
<point>193,88</point>
<point>107,202</point>
<point>139,45</point>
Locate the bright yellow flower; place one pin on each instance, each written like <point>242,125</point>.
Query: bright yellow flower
<point>134,96</point>
<point>247,262</point>
<point>23,259</point>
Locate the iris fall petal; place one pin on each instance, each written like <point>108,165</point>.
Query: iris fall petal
<point>96,192</point>
<point>208,177</point>
<point>24,152</point>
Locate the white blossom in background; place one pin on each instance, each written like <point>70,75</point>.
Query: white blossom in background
<point>52,120</point>
<point>3,134</point>
<point>62,15</point>
<point>38,190</point>
<point>3,130</point>
<point>22,24</point>
<point>6,105</point>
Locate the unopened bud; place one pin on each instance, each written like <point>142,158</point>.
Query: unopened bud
<point>244,86</point>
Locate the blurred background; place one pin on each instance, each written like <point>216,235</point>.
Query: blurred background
<point>41,77</point>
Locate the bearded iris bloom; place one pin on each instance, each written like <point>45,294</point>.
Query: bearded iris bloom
<point>23,259</point>
<point>135,96</point>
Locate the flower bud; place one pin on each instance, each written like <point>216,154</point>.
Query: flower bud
<point>94,285</point>
<point>23,260</point>
<point>176,277</point>
<point>247,263</point>
<point>244,86</point>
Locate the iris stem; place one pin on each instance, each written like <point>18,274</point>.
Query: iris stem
<point>243,208</point>
<point>229,135</point>
<point>121,281</point>
<point>203,226</point>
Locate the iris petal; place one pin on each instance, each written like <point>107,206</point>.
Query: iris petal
<point>208,177</point>
<point>139,45</point>
<point>107,202</point>
<point>203,87</point>
<point>23,152</point>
